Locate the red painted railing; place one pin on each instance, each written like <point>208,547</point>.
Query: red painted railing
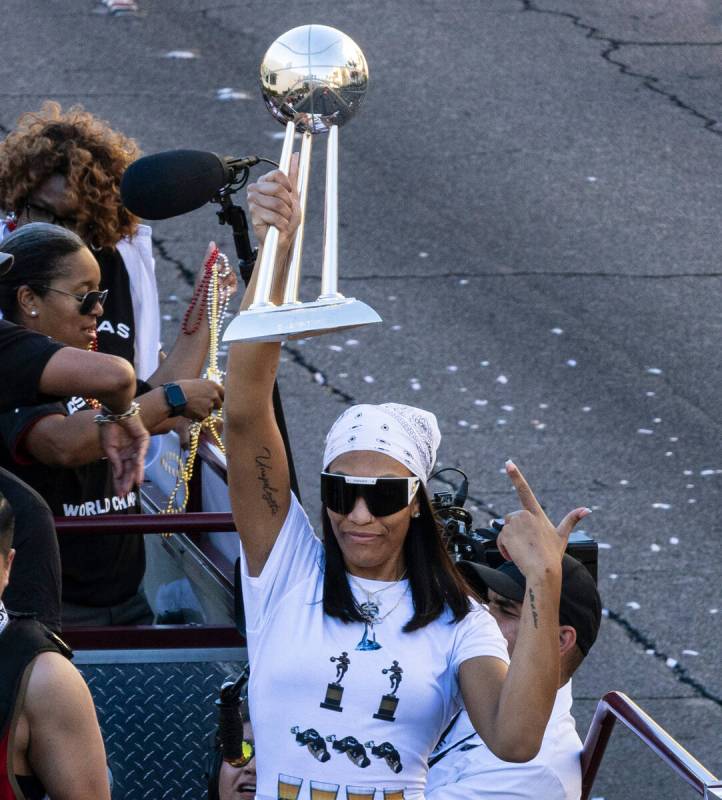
<point>617,706</point>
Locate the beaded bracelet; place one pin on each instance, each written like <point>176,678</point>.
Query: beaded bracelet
<point>107,416</point>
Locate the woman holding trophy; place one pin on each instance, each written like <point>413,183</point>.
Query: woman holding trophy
<point>364,644</point>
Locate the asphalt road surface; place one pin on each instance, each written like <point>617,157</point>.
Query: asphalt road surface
<point>530,198</point>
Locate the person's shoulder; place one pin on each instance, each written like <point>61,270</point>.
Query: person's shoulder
<point>54,682</point>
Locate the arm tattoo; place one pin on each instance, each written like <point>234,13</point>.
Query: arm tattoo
<point>532,603</point>
<point>263,465</point>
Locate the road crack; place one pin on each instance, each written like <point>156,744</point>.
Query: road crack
<point>680,673</point>
<point>650,82</point>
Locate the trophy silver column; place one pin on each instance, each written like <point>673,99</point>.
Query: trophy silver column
<point>313,80</point>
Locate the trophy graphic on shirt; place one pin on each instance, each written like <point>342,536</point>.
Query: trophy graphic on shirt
<point>387,706</point>
<point>334,691</point>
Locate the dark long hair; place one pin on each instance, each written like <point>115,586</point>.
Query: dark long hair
<point>435,583</point>
<point>38,249</point>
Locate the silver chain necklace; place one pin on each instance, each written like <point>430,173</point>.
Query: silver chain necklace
<point>372,597</point>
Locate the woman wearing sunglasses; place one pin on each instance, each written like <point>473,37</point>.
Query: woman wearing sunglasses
<point>53,289</point>
<point>64,168</point>
<point>364,644</point>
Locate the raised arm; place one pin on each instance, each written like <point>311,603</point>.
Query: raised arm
<point>510,709</point>
<point>258,478</point>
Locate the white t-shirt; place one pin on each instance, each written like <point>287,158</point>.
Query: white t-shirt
<point>470,770</point>
<point>326,713</point>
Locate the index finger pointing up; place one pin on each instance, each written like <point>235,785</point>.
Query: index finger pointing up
<point>523,490</point>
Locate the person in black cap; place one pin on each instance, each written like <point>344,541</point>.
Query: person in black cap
<point>462,766</point>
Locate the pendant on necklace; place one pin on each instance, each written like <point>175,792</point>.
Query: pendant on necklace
<point>370,612</point>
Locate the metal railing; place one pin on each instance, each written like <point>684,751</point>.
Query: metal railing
<point>617,706</point>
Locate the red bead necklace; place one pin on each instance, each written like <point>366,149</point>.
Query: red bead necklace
<point>200,296</point>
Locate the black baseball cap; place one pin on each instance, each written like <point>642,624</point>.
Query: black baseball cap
<point>6,262</point>
<point>580,605</point>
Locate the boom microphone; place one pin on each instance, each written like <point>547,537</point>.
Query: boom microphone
<point>175,182</point>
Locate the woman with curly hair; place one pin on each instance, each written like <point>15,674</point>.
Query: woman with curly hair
<point>65,167</point>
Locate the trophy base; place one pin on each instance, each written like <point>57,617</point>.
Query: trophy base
<point>334,695</point>
<point>330,707</point>
<point>299,320</point>
<point>387,707</point>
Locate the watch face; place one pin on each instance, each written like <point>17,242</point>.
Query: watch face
<point>175,396</point>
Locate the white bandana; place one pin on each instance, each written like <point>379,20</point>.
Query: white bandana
<point>410,435</point>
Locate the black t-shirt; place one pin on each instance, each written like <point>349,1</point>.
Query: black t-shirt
<point>24,355</point>
<point>97,570</point>
<point>34,586</point>
<point>116,328</point>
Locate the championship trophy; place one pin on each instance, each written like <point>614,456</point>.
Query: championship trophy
<point>334,691</point>
<point>387,706</point>
<point>313,80</point>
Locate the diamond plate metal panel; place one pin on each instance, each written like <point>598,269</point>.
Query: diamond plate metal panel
<point>157,721</point>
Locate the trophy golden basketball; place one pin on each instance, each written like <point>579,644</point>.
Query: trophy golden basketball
<point>313,80</point>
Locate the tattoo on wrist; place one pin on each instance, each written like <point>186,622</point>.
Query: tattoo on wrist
<point>263,465</point>
<point>532,605</point>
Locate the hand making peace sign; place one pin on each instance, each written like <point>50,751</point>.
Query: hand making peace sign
<point>528,537</point>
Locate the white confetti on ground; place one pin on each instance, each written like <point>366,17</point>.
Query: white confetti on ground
<point>634,605</point>
<point>586,409</point>
<point>423,255</point>
<point>318,377</point>
<point>624,482</point>
<point>669,453</point>
<point>182,54</point>
<point>369,379</point>
<point>688,472</point>
<point>649,651</point>
<point>690,653</point>
<point>343,374</point>
<point>613,576</point>
<point>463,282</point>
<point>507,408</point>
<point>645,431</point>
<point>604,546</point>
<point>557,331</point>
<point>605,612</point>
<point>689,486</point>
<point>502,379</point>
<point>483,363</point>
<point>173,298</point>
<point>392,297</point>
<point>415,386</point>
<point>336,348</point>
<point>673,540</point>
<point>463,389</point>
<point>714,611</point>
<point>691,500</point>
<point>539,426</point>
<point>227,93</point>
<point>655,548</point>
<point>501,422</point>
<point>396,327</point>
<point>674,438</point>
<point>657,420</point>
<point>167,317</point>
<point>462,423</point>
<point>351,342</point>
<point>475,427</point>
<point>478,402</point>
<point>663,506</point>
<point>591,179</point>
<point>543,405</point>
<point>452,368</point>
<point>571,362</point>
<point>654,371</point>
<point>705,473</point>
<point>650,394</point>
<point>671,663</point>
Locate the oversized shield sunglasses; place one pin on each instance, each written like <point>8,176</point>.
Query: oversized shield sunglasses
<point>383,496</point>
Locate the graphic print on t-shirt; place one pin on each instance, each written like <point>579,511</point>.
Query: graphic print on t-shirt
<point>390,701</point>
<point>289,788</point>
<point>313,741</point>
<point>350,745</point>
<point>334,690</point>
<point>389,754</point>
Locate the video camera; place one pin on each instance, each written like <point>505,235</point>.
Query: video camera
<point>467,543</point>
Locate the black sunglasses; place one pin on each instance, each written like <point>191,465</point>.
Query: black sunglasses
<point>383,496</point>
<point>87,301</point>
<point>36,213</point>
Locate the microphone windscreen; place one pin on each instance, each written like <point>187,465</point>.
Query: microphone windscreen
<point>175,182</point>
